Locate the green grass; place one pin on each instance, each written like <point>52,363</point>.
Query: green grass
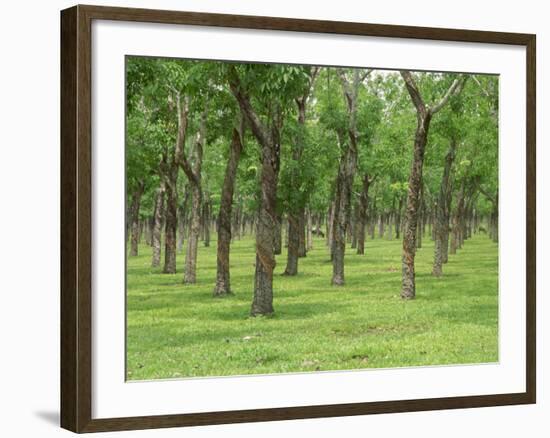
<point>176,330</point>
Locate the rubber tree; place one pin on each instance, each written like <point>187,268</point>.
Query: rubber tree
<point>272,89</point>
<point>348,141</point>
<point>424,114</point>
<point>223,282</point>
<point>298,189</point>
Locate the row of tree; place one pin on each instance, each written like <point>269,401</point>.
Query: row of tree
<point>226,147</point>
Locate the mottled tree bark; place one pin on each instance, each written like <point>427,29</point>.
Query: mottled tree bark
<point>424,116</point>
<point>206,218</point>
<point>134,217</point>
<point>342,204</point>
<point>362,216</point>
<point>302,232</point>
<point>442,213</point>
<point>158,213</point>
<point>309,231</point>
<point>170,227</point>
<point>193,173</point>
<point>223,283</point>
<point>278,235</point>
<point>296,236</point>
<point>269,140</point>
<point>190,272</point>
<point>182,219</point>
<point>456,220</point>
<point>415,180</point>
<point>293,245</point>
<point>171,179</point>
<point>346,172</point>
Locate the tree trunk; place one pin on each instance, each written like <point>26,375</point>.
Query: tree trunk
<point>455,237</point>
<point>171,225</point>
<point>278,235</point>
<point>389,229</point>
<point>206,218</point>
<point>362,214</point>
<point>262,303</point>
<point>269,140</point>
<point>134,218</point>
<point>223,283</point>
<point>411,213</point>
<point>309,231</point>
<point>157,225</point>
<point>341,211</point>
<point>193,174</point>
<point>381,219</point>
<point>190,273</point>
<point>293,245</point>
<point>441,213</point>
<point>424,115</point>
<point>302,232</point>
<point>171,179</point>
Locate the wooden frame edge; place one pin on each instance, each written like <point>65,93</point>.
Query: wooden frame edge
<point>76,222</point>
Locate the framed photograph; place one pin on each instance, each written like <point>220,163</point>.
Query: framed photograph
<point>272,218</point>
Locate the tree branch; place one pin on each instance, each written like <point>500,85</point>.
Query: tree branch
<point>413,91</point>
<point>256,125</point>
<point>454,89</point>
<point>487,194</point>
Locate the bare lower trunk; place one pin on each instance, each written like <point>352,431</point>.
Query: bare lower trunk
<point>362,214</point>
<point>278,235</point>
<point>223,283</point>
<point>302,232</point>
<point>134,218</point>
<point>190,273</point>
<point>170,230</point>
<point>411,213</point>
<point>157,226</point>
<point>206,217</point>
<point>341,211</point>
<point>309,231</point>
<point>293,245</point>
<point>442,211</point>
<point>262,303</point>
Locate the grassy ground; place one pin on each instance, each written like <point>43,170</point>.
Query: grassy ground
<point>176,330</point>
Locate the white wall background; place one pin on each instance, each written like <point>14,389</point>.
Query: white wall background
<point>29,216</point>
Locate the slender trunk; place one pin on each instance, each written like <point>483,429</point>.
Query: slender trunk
<point>381,219</point>
<point>455,237</point>
<point>341,211</point>
<point>190,273</point>
<point>302,232</point>
<point>157,225</point>
<point>223,283</point>
<point>293,245</point>
<point>309,231</point>
<point>398,218</point>
<point>170,228</point>
<point>206,221</point>
<point>182,220</point>
<point>362,214</point>
<point>134,218</point>
<point>277,234</point>
<point>442,214</point>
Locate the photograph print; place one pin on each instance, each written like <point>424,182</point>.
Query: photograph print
<point>296,218</point>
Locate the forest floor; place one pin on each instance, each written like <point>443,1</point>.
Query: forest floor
<point>176,330</point>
